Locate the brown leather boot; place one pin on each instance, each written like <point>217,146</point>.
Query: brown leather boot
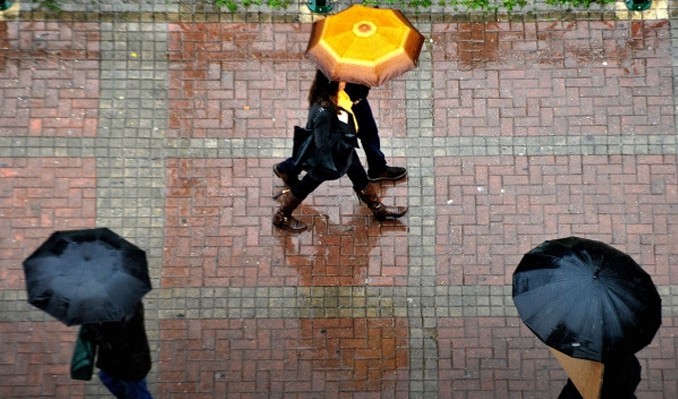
<point>283,217</point>
<point>369,196</point>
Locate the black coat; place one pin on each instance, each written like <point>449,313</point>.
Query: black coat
<point>122,347</point>
<point>333,145</point>
<point>357,91</point>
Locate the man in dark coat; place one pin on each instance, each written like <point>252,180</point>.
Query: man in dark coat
<point>123,355</point>
<point>377,169</point>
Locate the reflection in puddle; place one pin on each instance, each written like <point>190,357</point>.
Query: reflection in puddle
<point>347,254</point>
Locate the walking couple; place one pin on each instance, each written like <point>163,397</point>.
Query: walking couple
<point>339,114</point>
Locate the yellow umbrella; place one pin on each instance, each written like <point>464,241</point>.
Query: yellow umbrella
<point>364,45</point>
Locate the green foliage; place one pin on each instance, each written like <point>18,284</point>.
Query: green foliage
<point>233,5</point>
<point>230,5</point>
<point>278,3</point>
<point>50,5</point>
<point>414,5</point>
<point>578,3</point>
<point>422,5</point>
<point>476,5</point>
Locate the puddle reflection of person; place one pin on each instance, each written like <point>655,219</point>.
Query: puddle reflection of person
<point>334,128</point>
<point>313,258</point>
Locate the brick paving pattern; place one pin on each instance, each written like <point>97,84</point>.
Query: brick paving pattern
<point>165,128</point>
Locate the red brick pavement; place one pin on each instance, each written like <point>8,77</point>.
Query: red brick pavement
<point>34,361</point>
<point>282,358</point>
<point>244,80</point>
<point>37,197</point>
<point>219,232</point>
<point>49,79</point>
<point>493,357</point>
<point>491,210</point>
<point>573,78</point>
<point>237,80</point>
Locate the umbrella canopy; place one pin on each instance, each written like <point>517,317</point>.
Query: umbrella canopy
<point>586,299</point>
<point>364,45</point>
<point>87,276</point>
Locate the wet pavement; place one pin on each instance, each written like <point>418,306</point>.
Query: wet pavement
<point>163,126</point>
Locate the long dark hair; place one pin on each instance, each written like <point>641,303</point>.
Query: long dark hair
<point>323,91</point>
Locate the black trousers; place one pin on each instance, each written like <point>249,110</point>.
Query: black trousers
<point>368,133</point>
<point>356,173</point>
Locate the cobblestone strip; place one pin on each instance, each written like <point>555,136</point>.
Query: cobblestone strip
<point>398,147</point>
<point>129,148</point>
<point>425,148</point>
<point>673,17</point>
<point>314,302</point>
<point>130,139</point>
<point>420,296</point>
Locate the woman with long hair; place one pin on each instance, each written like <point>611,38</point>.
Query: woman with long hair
<point>334,131</point>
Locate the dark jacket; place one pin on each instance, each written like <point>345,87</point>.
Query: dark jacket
<point>334,144</point>
<point>357,91</point>
<point>122,347</point>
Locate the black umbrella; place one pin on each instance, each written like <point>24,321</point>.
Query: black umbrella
<point>87,276</point>
<point>586,299</point>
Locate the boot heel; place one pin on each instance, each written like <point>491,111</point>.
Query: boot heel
<point>380,211</point>
<point>360,198</point>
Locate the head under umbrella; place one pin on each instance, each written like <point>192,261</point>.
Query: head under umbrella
<point>586,299</point>
<point>364,45</point>
<point>87,276</point>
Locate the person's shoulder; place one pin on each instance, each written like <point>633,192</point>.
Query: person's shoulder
<point>317,111</point>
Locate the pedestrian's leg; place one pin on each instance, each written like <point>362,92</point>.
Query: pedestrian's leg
<point>287,171</point>
<point>305,187</point>
<point>356,173</point>
<point>137,390</point>
<point>115,386</point>
<point>290,201</point>
<point>368,194</point>
<point>369,138</point>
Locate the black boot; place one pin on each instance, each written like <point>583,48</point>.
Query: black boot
<point>369,196</point>
<point>283,217</point>
<point>388,173</point>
